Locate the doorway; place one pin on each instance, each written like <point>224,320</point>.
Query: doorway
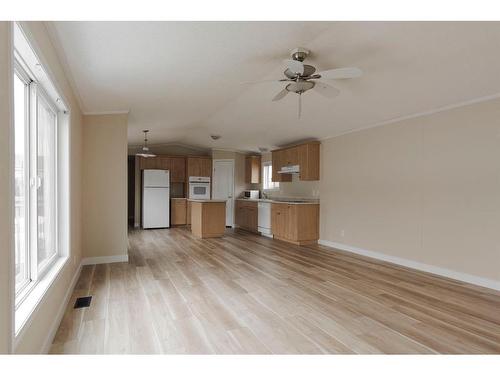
<point>223,186</point>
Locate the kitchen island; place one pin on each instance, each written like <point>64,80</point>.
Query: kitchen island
<point>208,217</point>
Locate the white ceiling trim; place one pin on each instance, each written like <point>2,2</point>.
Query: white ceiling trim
<point>121,112</point>
<point>419,114</point>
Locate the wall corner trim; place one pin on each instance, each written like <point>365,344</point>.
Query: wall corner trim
<point>105,259</point>
<point>444,272</point>
<point>60,313</point>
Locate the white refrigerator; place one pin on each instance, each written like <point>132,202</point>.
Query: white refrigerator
<point>155,198</point>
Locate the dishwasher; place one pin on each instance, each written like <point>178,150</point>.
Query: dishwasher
<point>264,218</point>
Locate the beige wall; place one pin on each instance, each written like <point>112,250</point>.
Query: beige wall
<point>6,173</point>
<point>38,329</point>
<point>425,189</point>
<point>104,185</point>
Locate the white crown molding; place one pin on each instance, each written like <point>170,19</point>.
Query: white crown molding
<point>444,272</point>
<point>234,150</point>
<point>101,113</point>
<point>419,114</point>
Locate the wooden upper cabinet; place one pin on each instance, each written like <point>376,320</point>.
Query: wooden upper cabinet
<point>193,167</point>
<point>308,160</point>
<point>177,169</point>
<point>278,160</point>
<point>252,169</point>
<point>175,164</point>
<point>306,156</point>
<point>163,163</point>
<point>290,156</point>
<point>199,166</point>
<point>206,167</point>
<point>151,163</point>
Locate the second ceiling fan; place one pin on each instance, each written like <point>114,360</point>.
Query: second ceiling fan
<point>303,77</point>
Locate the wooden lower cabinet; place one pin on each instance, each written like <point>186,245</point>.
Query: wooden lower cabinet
<point>295,223</point>
<point>188,213</point>
<point>178,211</point>
<point>208,218</point>
<point>246,215</point>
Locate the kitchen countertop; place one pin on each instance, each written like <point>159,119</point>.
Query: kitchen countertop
<point>208,200</point>
<point>282,200</point>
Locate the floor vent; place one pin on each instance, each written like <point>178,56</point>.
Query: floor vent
<point>82,302</point>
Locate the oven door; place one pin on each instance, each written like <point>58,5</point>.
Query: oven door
<point>199,190</point>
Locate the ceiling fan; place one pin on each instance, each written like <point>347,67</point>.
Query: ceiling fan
<point>303,77</point>
<point>145,153</point>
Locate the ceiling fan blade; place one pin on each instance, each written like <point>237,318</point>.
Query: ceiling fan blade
<point>341,73</point>
<point>280,95</point>
<point>295,66</point>
<point>263,81</point>
<point>326,90</point>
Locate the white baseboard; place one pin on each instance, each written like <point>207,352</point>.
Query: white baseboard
<point>60,313</point>
<point>464,277</point>
<point>105,259</point>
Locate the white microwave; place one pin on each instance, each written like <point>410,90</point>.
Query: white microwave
<point>251,194</point>
<point>199,187</point>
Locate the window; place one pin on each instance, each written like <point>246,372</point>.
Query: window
<point>35,194</point>
<point>21,173</point>
<point>267,175</point>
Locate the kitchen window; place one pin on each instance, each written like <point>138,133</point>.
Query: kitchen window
<point>267,174</point>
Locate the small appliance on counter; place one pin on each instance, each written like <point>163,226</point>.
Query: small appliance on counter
<point>199,187</point>
<point>251,194</point>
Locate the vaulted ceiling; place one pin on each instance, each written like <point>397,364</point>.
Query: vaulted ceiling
<point>186,80</point>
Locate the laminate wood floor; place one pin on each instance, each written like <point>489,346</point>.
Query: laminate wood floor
<point>249,294</point>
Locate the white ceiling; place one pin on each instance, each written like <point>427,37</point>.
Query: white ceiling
<point>184,80</point>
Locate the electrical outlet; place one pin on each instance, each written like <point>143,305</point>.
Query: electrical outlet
<point>342,233</point>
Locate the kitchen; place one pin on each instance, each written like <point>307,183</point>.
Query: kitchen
<point>276,196</point>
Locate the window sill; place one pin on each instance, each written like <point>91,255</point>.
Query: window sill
<point>26,309</point>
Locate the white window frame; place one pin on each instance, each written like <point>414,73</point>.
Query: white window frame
<point>23,76</point>
<point>272,186</point>
<point>35,93</point>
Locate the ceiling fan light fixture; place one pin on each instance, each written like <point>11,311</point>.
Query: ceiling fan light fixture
<point>145,149</point>
<point>300,77</point>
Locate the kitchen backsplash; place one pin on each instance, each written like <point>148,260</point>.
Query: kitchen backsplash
<point>296,189</point>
